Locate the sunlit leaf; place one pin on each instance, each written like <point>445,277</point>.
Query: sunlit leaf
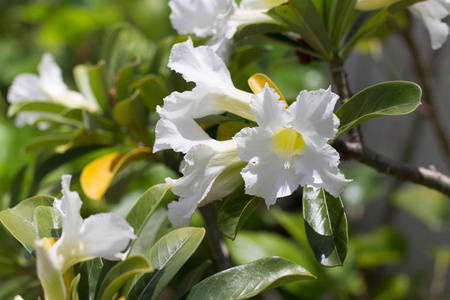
<point>120,273</point>
<point>91,82</point>
<point>48,222</point>
<point>245,281</point>
<point>325,226</point>
<point>20,221</point>
<point>384,99</point>
<point>167,256</point>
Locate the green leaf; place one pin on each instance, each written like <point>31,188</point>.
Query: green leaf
<point>167,256</point>
<point>90,81</point>
<point>228,129</point>
<point>145,207</point>
<point>192,278</point>
<point>47,141</point>
<point>384,99</point>
<point>384,246</point>
<point>342,17</point>
<point>301,16</point>
<point>243,282</point>
<point>235,210</point>
<point>132,115</point>
<point>48,222</point>
<point>374,20</point>
<point>325,226</point>
<point>120,273</point>
<point>123,88</point>
<point>244,56</point>
<point>90,273</point>
<point>258,28</point>
<point>20,220</point>
<point>152,91</point>
<point>35,106</point>
<point>428,206</point>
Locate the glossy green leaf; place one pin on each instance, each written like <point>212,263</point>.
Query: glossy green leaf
<point>90,273</point>
<point>384,99</point>
<point>145,207</point>
<point>301,16</point>
<point>235,210</point>
<point>192,278</point>
<point>342,16</point>
<point>20,220</point>
<point>258,28</point>
<point>374,20</point>
<point>167,256</point>
<point>426,205</point>
<point>48,222</point>
<point>152,91</point>
<point>47,141</point>
<point>90,81</point>
<point>245,281</point>
<point>35,106</point>
<point>326,226</point>
<point>120,273</point>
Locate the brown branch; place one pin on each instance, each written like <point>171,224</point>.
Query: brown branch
<point>428,177</point>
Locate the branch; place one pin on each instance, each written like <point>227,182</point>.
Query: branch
<point>428,177</point>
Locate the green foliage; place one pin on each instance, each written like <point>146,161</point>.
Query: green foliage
<point>326,226</point>
<point>384,99</point>
<point>249,280</point>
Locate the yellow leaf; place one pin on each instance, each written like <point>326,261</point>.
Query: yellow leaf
<point>259,80</point>
<point>98,174</point>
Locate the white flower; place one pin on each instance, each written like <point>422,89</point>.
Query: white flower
<point>101,235</point>
<point>214,92</point>
<point>219,19</point>
<point>289,148</point>
<point>209,173</point>
<point>431,12</point>
<point>48,86</point>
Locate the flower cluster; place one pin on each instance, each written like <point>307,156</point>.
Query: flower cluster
<point>288,148</point>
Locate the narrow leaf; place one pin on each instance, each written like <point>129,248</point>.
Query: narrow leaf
<point>325,226</point>
<point>384,99</point>
<point>120,273</point>
<point>249,280</point>
<point>234,212</point>
<point>20,220</point>
<point>167,256</point>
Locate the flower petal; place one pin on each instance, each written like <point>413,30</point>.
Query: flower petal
<point>269,113</point>
<point>269,178</point>
<point>200,65</point>
<point>253,142</point>
<point>317,122</point>
<point>69,208</point>
<point>319,169</point>
<point>51,76</point>
<point>185,15</point>
<point>26,87</point>
<point>431,13</point>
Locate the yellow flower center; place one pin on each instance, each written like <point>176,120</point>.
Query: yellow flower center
<point>288,142</point>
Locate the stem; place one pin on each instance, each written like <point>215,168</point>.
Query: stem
<point>221,253</point>
<point>429,177</point>
<point>340,80</point>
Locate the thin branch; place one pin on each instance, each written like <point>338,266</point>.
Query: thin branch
<point>428,177</point>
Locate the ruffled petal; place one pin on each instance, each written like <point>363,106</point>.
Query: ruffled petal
<point>253,142</point>
<point>185,15</point>
<point>319,169</point>
<point>269,113</point>
<point>179,134</point>
<point>269,178</point>
<point>317,122</point>
<point>69,208</point>
<point>203,166</point>
<point>26,87</point>
<point>200,65</point>
<point>431,13</point>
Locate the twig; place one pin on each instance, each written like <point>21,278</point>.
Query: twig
<point>428,177</point>
<point>221,253</point>
<point>340,80</point>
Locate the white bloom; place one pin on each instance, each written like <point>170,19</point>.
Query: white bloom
<point>214,92</point>
<point>101,235</point>
<point>431,12</point>
<point>209,173</point>
<point>289,148</point>
<point>219,19</point>
<point>47,86</point>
